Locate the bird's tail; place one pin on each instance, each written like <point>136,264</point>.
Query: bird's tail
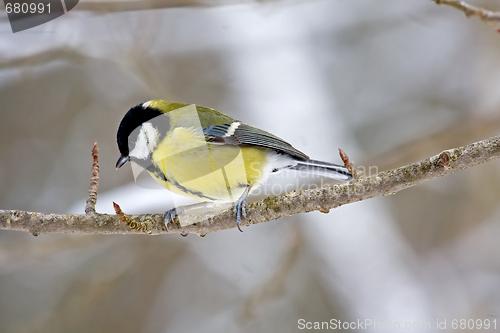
<point>323,169</point>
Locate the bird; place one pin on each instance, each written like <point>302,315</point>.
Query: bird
<point>204,154</point>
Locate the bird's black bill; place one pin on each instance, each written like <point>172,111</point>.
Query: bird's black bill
<point>121,161</point>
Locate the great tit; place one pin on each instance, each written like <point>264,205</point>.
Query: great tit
<point>204,154</point>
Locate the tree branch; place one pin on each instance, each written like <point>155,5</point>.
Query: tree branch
<point>484,15</point>
<point>323,199</point>
<point>134,5</point>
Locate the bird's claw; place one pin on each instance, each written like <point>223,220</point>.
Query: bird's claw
<point>170,216</point>
<point>239,210</point>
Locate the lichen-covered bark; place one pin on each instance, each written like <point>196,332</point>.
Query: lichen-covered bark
<point>323,199</point>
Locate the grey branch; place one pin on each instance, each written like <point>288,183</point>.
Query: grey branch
<point>469,10</point>
<point>272,208</point>
<point>125,6</point>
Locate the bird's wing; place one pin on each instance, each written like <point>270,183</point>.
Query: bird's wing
<point>243,135</point>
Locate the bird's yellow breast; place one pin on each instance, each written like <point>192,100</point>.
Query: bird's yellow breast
<point>206,171</point>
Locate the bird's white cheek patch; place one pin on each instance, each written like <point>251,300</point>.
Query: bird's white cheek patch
<point>146,141</point>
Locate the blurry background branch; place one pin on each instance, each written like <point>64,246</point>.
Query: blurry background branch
<point>47,56</point>
<point>125,6</point>
<point>272,208</point>
<point>485,15</point>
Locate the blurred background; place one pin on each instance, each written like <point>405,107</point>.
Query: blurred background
<point>388,81</point>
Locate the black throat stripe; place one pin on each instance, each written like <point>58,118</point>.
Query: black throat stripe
<point>159,174</point>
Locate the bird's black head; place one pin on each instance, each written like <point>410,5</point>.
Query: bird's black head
<point>134,118</point>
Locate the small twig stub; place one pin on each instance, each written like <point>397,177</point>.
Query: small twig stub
<point>349,166</point>
<point>139,226</point>
<point>94,181</point>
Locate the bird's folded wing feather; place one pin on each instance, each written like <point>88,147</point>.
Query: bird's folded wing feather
<point>240,134</point>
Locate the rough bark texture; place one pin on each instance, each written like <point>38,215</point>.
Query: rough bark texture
<point>272,208</point>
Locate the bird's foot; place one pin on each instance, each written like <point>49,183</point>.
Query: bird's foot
<point>239,211</point>
<point>169,216</point>
<point>239,207</point>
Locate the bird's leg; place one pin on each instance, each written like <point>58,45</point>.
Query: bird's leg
<point>172,213</point>
<point>239,207</point>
